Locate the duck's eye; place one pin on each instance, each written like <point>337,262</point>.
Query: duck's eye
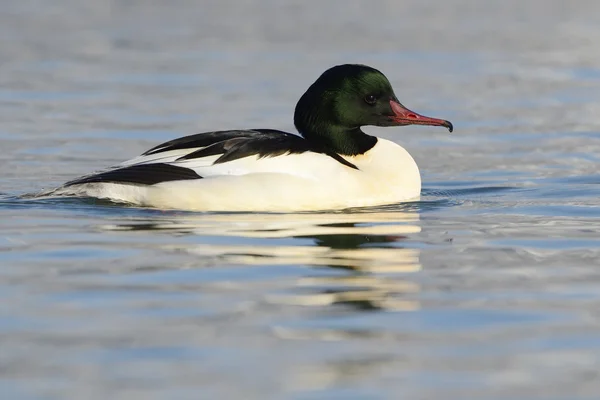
<point>370,99</point>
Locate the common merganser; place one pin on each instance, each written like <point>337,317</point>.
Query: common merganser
<point>333,165</point>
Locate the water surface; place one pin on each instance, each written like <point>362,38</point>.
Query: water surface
<point>488,288</point>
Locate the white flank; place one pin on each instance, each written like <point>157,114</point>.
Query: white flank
<point>295,182</point>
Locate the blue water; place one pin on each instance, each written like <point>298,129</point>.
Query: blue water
<point>487,288</point>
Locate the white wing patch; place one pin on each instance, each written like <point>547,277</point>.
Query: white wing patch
<point>163,157</point>
<point>304,165</point>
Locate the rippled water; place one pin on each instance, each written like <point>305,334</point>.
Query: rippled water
<point>488,288</point>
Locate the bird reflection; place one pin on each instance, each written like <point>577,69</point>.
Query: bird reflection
<point>358,260</point>
<point>367,258</point>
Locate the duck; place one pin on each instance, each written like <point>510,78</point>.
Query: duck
<point>331,165</point>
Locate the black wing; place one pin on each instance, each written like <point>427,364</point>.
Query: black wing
<point>230,145</point>
<point>209,138</point>
<point>243,143</point>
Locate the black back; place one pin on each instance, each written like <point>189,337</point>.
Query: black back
<point>230,145</point>
<point>233,145</point>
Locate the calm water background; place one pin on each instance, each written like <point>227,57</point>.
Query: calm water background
<point>489,288</point>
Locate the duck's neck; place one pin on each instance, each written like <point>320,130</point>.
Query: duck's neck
<point>318,120</point>
<point>341,140</point>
